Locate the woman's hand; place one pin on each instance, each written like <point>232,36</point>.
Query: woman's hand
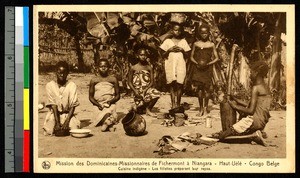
<point>100,107</point>
<point>172,49</point>
<point>65,126</point>
<point>175,49</point>
<point>56,127</point>
<point>235,47</point>
<point>137,95</point>
<point>179,49</point>
<point>107,104</point>
<point>232,104</point>
<point>232,97</point>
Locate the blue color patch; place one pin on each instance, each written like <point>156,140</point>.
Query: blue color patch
<point>26,25</point>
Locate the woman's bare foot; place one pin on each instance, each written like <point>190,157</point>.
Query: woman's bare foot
<point>205,113</point>
<point>214,135</point>
<point>104,127</point>
<point>264,134</point>
<point>149,113</point>
<point>259,139</point>
<point>200,114</point>
<point>112,129</point>
<point>173,106</point>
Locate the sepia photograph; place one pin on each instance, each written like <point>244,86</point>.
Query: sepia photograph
<point>150,88</point>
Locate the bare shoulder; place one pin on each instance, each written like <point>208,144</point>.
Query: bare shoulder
<point>95,80</point>
<point>255,89</point>
<point>148,67</point>
<point>262,90</point>
<point>112,79</point>
<point>197,43</point>
<point>134,67</point>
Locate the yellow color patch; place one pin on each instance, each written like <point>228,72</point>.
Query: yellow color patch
<point>26,109</point>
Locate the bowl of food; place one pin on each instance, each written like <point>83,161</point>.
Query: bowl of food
<point>80,133</point>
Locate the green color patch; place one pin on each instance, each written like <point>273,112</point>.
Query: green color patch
<point>26,67</point>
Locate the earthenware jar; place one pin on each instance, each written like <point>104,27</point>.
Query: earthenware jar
<point>134,124</point>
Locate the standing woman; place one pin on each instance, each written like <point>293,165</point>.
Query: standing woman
<point>174,50</point>
<point>204,54</point>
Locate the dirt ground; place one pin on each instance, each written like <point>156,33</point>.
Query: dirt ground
<point>118,145</point>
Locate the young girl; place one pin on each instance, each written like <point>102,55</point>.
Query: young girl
<point>256,112</point>
<point>175,50</point>
<point>140,80</point>
<point>62,101</point>
<point>203,55</point>
<point>104,93</point>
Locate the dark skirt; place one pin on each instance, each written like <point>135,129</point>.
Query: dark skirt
<point>203,75</point>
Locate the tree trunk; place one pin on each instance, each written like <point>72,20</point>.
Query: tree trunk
<point>81,65</point>
<point>275,65</point>
<point>244,72</point>
<point>227,113</point>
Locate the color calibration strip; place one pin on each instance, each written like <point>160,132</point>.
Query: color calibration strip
<point>26,141</point>
<point>17,142</point>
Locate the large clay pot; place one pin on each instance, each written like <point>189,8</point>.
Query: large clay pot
<point>134,124</point>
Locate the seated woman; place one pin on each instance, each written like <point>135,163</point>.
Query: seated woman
<point>104,93</point>
<point>255,114</point>
<point>140,80</point>
<point>62,101</point>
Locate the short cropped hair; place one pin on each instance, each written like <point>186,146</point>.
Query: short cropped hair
<point>173,24</point>
<point>261,67</point>
<point>204,25</point>
<point>103,60</point>
<point>142,48</point>
<point>63,64</point>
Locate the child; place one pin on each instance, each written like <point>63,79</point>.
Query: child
<point>202,53</point>
<point>175,50</point>
<point>104,93</point>
<point>62,101</point>
<point>256,113</point>
<point>140,80</point>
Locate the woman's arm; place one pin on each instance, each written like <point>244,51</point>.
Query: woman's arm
<point>67,121</point>
<point>192,55</point>
<point>240,102</point>
<point>56,117</point>
<point>248,110</point>
<point>165,54</point>
<point>117,92</point>
<point>92,93</point>
<point>216,56</point>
